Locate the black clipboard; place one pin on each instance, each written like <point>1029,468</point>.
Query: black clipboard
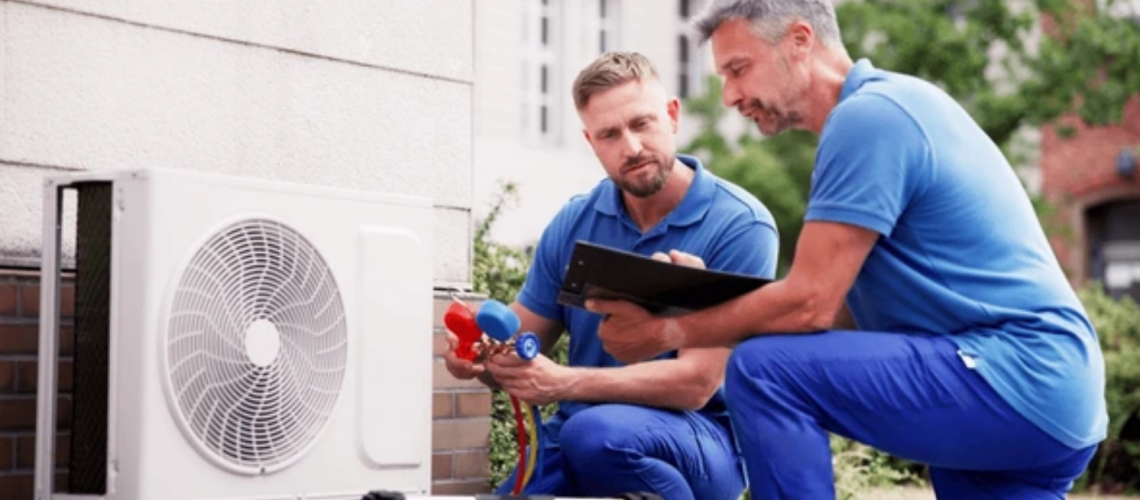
<point>662,288</point>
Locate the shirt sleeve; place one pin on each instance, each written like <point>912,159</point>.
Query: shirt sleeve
<point>539,291</point>
<point>871,158</point>
<point>751,248</point>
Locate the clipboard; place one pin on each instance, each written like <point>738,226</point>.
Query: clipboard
<point>662,288</point>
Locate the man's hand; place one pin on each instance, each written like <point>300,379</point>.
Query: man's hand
<point>680,258</point>
<point>539,381</point>
<point>631,334</point>
<point>460,368</point>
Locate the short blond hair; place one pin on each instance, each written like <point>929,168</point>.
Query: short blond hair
<point>608,71</point>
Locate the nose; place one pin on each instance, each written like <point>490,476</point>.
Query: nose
<point>730,94</point>
<point>632,145</point>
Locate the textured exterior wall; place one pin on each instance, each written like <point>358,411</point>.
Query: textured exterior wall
<point>368,95</point>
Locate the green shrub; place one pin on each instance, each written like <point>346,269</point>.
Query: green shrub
<point>498,271</point>
<point>1116,466</point>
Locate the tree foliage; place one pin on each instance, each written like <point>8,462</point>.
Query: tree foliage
<point>986,54</point>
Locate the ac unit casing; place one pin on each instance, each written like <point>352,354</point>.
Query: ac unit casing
<point>379,252</point>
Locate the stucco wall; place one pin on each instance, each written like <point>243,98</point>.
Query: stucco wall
<point>367,95</point>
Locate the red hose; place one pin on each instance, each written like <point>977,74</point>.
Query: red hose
<point>520,472</point>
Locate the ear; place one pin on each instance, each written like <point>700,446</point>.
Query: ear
<point>800,39</point>
<point>673,107</point>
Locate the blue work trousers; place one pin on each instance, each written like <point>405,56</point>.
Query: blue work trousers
<point>611,449</point>
<point>912,396</point>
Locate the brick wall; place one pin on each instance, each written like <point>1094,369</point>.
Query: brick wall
<point>19,341</point>
<point>1079,172</point>
<point>460,410</point>
<point>462,424</point>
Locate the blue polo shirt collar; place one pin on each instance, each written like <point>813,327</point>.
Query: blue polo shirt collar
<point>692,209</point>
<point>862,71</point>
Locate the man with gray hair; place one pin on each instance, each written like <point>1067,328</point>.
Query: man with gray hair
<point>658,426</point>
<point>924,313</point>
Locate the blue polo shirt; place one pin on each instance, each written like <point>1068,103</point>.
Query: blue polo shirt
<point>717,221</point>
<point>961,251</point>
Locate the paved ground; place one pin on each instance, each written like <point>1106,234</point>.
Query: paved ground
<point>915,494</point>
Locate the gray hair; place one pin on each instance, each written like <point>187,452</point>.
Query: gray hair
<point>771,18</point>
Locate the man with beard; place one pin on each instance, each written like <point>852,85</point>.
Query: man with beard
<point>972,355</point>
<point>658,426</point>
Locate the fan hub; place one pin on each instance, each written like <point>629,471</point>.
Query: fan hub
<point>262,343</point>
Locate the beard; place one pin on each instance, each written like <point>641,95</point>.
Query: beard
<point>647,181</point>
<point>771,122</point>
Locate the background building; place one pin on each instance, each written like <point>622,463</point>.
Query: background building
<point>527,54</point>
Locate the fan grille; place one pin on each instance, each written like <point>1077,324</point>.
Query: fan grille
<point>256,346</point>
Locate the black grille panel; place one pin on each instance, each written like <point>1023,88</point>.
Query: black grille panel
<point>88,465</point>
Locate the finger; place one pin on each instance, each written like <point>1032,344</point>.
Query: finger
<point>660,256</point>
<point>607,307</point>
<point>452,341</point>
<point>686,259</point>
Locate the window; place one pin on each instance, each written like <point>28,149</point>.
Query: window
<point>540,69</point>
<point>606,26</point>
<point>683,64</point>
<point>1114,246</point>
<point>689,69</point>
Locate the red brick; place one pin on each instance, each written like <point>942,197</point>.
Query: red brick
<point>442,405</point>
<point>438,344</point>
<point>19,414</point>
<point>19,339</point>
<point>442,379</point>
<point>469,487</point>
<point>7,376</point>
<point>29,374</point>
<point>1079,171</point>
<point>473,404</point>
<point>17,486</point>
<point>8,299</point>
<point>30,300</point>
<point>471,465</point>
<point>463,433</point>
<point>7,449</point>
<point>24,339</point>
<point>441,466</point>
<point>26,450</point>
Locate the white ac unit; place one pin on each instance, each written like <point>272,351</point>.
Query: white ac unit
<point>239,339</point>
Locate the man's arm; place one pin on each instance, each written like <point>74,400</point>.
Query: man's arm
<point>828,259</point>
<point>684,383</point>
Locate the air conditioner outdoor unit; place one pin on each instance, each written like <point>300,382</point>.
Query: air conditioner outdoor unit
<point>239,339</point>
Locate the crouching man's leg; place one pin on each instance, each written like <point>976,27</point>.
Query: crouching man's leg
<point>614,449</point>
<point>910,395</point>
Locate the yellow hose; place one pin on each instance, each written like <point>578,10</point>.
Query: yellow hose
<point>534,444</point>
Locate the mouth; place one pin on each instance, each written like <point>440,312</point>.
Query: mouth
<point>637,168</point>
